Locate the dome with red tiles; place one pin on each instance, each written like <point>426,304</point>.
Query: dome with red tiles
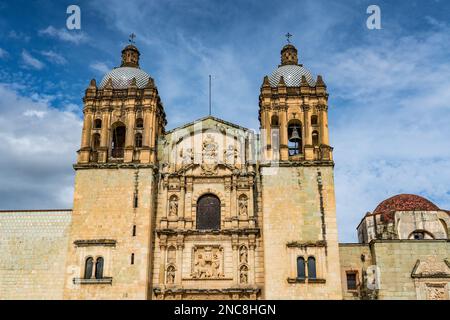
<point>403,202</point>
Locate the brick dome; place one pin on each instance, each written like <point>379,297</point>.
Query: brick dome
<point>403,202</point>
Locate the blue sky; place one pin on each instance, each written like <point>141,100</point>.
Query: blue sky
<point>389,88</point>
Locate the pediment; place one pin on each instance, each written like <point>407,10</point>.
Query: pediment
<point>431,267</point>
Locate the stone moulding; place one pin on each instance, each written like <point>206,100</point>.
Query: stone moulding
<point>106,280</point>
<point>179,290</point>
<point>302,163</point>
<point>187,232</point>
<point>298,244</point>
<point>117,165</point>
<point>96,242</point>
<point>305,280</point>
<point>431,269</point>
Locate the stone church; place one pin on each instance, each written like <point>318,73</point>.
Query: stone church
<point>213,210</point>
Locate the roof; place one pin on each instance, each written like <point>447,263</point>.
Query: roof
<point>403,202</point>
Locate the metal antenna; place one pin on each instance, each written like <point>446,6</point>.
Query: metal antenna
<point>209,94</point>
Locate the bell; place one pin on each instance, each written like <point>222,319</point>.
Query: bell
<point>295,137</point>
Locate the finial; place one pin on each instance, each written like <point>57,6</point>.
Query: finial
<point>133,82</point>
<point>109,84</point>
<point>304,83</point>
<point>288,37</point>
<point>319,81</point>
<point>281,82</point>
<point>150,83</point>
<point>92,84</point>
<point>266,82</point>
<point>131,39</point>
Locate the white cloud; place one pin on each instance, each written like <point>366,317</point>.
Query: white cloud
<point>100,67</point>
<point>54,57</point>
<point>31,61</point>
<point>37,144</point>
<point>62,34</point>
<point>3,53</point>
<point>18,36</point>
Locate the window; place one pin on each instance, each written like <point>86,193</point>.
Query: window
<point>139,123</point>
<point>208,213</point>
<point>97,124</point>
<point>311,268</point>
<point>300,268</point>
<point>89,265</point>
<point>314,120</point>
<point>134,231</point>
<point>138,140</point>
<point>294,137</point>
<point>99,268</point>
<point>274,121</point>
<point>135,200</point>
<point>315,138</point>
<point>132,258</point>
<point>351,281</point>
<point>118,141</point>
<point>418,235</point>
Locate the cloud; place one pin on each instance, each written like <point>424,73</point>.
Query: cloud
<point>100,67</point>
<point>18,36</point>
<point>54,57</point>
<point>73,36</point>
<point>31,61</point>
<point>38,144</point>
<point>3,53</point>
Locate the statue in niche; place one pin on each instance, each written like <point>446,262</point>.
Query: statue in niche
<point>243,275</point>
<point>243,255</point>
<point>216,265</point>
<point>209,155</point>
<point>173,206</point>
<point>171,275</point>
<point>243,206</point>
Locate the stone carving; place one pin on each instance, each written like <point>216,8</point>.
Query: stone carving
<point>243,255</point>
<point>209,155</point>
<point>173,206</point>
<point>231,154</point>
<point>243,275</point>
<point>170,278</point>
<point>430,268</point>
<point>243,206</point>
<point>207,262</point>
<point>187,156</point>
<point>436,291</point>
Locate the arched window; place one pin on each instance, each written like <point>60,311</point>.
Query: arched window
<point>97,124</point>
<point>314,120</point>
<point>138,140</point>
<point>99,268</point>
<point>88,266</point>
<point>295,137</point>
<point>311,268</point>
<point>139,123</point>
<point>118,141</point>
<point>315,138</point>
<point>274,121</point>
<point>208,213</point>
<point>300,268</point>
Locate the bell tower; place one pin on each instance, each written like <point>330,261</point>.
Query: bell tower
<point>297,185</point>
<point>115,186</point>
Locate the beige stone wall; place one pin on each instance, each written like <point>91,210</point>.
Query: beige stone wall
<point>396,261</point>
<point>33,248</point>
<point>103,209</point>
<point>354,257</point>
<point>292,214</point>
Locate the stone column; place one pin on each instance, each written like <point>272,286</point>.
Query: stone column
<point>129,138</point>
<point>163,259</point>
<point>86,137</point>
<point>235,247</point>
<point>323,120</point>
<point>284,155</point>
<point>104,135</point>
<point>179,274</point>
<point>181,203</point>
<point>251,263</point>
<point>307,134</point>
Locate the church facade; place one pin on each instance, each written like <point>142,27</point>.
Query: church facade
<point>213,210</point>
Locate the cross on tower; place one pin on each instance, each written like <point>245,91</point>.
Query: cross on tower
<point>288,36</point>
<point>132,37</point>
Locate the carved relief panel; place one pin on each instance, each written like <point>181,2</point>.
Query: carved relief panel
<point>207,262</point>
